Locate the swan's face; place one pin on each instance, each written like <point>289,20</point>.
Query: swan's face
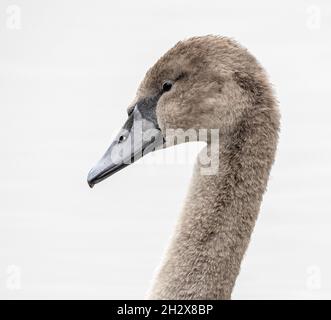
<point>195,85</point>
<point>190,89</point>
<point>181,91</point>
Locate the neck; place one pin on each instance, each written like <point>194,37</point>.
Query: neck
<point>214,229</point>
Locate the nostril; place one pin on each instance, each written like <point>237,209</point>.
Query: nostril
<point>121,139</point>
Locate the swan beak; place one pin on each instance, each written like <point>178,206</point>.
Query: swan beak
<point>139,136</point>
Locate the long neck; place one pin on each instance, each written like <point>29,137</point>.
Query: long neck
<point>214,229</point>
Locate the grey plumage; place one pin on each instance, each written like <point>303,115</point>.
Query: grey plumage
<point>223,87</point>
<point>215,84</point>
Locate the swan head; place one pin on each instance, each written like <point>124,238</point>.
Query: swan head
<point>204,82</point>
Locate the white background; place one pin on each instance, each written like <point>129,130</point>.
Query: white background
<point>67,75</point>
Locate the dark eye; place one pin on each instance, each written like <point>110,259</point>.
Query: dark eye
<point>166,86</point>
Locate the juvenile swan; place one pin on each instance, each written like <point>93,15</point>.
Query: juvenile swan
<point>208,83</point>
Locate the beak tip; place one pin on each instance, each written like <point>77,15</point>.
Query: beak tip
<point>90,183</point>
<point>90,180</point>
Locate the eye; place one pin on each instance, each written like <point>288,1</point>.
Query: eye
<point>167,85</point>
